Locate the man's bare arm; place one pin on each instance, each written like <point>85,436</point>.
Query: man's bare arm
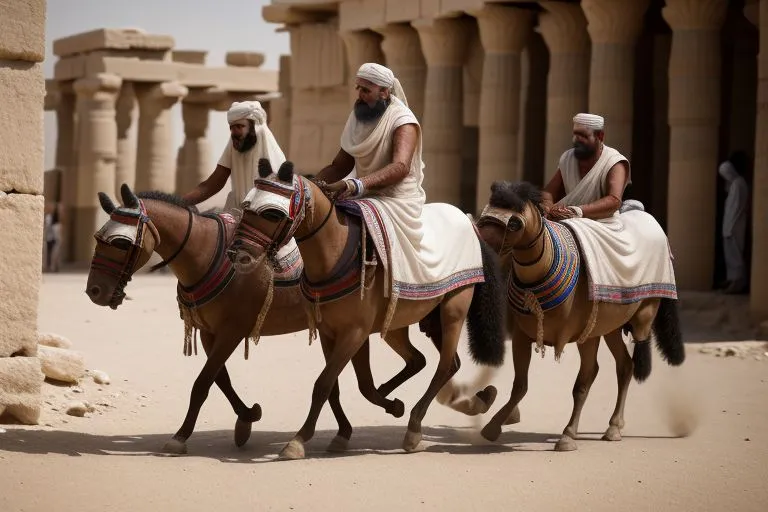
<point>340,167</point>
<point>403,147</point>
<point>553,192</point>
<point>608,204</point>
<point>210,187</point>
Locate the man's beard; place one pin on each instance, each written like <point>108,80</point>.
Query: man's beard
<point>367,114</point>
<point>582,151</point>
<point>246,143</point>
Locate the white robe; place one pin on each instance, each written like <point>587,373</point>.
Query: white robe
<point>433,247</point>
<point>244,166</point>
<point>734,222</point>
<point>627,254</point>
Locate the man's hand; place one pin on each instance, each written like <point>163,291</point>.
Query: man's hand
<point>339,190</point>
<point>559,212</point>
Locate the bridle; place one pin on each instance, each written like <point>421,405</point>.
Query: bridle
<point>158,266</point>
<point>123,270</point>
<point>494,215</point>
<point>298,197</point>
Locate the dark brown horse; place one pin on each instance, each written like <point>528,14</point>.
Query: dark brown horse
<point>223,305</point>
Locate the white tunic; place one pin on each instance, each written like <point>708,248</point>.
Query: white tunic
<point>244,167</point>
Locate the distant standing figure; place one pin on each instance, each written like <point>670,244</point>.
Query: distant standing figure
<point>735,221</point>
<point>52,236</point>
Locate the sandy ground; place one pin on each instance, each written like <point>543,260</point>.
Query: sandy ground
<point>110,460</point>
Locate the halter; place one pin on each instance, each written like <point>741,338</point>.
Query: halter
<point>502,216</point>
<point>132,225</point>
<point>292,200</point>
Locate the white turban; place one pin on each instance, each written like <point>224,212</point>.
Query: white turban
<point>383,77</point>
<point>251,110</point>
<point>591,121</point>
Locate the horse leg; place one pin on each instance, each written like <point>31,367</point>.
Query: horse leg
<point>453,312</point>
<point>362,364</point>
<point>414,360</point>
<point>585,378</point>
<point>624,377</point>
<point>245,416</point>
<point>224,344</point>
<point>341,441</point>
<point>522,346</point>
<point>344,348</point>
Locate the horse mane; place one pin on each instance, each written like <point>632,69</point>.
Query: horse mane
<point>514,195</point>
<point>171,199</point>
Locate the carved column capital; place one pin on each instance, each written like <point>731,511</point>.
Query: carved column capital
<point>161,95</point>
<point>503,30</point>
<point>564,28</point>
<point>444,40</point>
<point>103,85</point>
<point>695,14</point>
<point>362,46</point>
<point>612,21</point>
<point>401,44</point>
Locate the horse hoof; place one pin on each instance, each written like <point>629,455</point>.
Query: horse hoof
<point>612,434</point>
<point>254,413</point>
<point>411,441</point>
<point>566,444</point>
<point>175,447</point>
<point>487,396</point>
<point>293,450</point>
<point>514,416</point>
<point>242,432</point>
<point>491,432</point>
<point>396,408</point>
<point>338,444</point>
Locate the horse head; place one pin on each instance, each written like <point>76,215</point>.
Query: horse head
<point>512,216</point>
<point>122,247</point>
<point>272,212</point>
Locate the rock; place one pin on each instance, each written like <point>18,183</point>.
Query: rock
<point>50,339</point>
<point>77,409</point>
<point>100,377</point>
<point>61,364</point>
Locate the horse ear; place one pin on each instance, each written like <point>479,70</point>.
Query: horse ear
<point>106,203</point>
<point>265,167</point>
<point>286,171</point>
<point>129,198</point>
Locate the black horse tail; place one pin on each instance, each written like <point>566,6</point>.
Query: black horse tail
<point>669,341</point>
<point>486,319</point>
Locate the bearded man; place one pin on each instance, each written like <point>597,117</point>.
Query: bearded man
<point>251,140</point>
<point>591,177</point>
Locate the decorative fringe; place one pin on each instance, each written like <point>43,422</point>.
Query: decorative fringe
<point>390,313</point>
<point>373,263</point>
<point>190,331</point>
<point>533,305</point>
<point>313,318</point>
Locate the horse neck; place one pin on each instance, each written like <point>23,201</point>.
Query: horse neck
<point>322,250</point>
<point>531,264</point>
<point>191,264</point>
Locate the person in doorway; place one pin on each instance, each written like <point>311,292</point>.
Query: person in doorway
<point>735,221</point>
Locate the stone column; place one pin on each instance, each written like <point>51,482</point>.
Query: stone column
<point>564,29</point>
<point>759,278</point>
<point>403,55</point>
<point>155,160</point>
<point>196,150</point>
<point>443,42</point>
<point>126,142</point>
<point>534,70</point>
<point>66,160</point>
<point>504,31</point>
<point>694,119</point>
<point>361,46</point>
<point>614,28</point>
<point>96,98</point>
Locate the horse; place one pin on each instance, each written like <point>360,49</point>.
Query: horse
<point>549,304</point>
<point>335,256</point>
<point>225,306</point>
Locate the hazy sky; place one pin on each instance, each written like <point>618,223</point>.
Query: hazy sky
<point>217,26</point>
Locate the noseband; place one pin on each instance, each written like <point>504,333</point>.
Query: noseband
<point>123,270</point>
<point>500,216</point>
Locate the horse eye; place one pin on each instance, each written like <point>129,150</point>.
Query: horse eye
<point>122,244</point>
<point>515,224</point>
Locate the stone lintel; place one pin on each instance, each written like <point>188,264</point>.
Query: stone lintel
<point>230,78</point>
<point>245,59</point>
<point>189,56</point>
<point>111,39</point>
<point>231,97</point>
<point>132,70</point>
<point>291,15</point>
<point>206,96</point>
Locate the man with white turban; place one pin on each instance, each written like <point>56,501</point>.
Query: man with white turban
<point>591,176</point>
<point>251,140</point>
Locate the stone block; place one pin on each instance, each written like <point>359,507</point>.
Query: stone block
<point>189,56</point>
<point>306,150</point>
<point>61,364</point>
<point>21,223</point>
<point>21,127</point>
<point>69,68</point>
<point>111,39</point>
<point>130,69</point>
<point>21,380</point>
<point>362,14</point>
<point>245,59</point>
<point>401,10</point>
<point>22,25</point>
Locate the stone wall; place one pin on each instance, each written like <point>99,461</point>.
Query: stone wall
<point>22,49</point>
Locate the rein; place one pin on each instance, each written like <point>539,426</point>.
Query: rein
<point>162,264</point>
<point>530,245</point>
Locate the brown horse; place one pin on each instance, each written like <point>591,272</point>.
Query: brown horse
<point>222,304</point>
<point>549,305</point>
<point>284,204</point>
